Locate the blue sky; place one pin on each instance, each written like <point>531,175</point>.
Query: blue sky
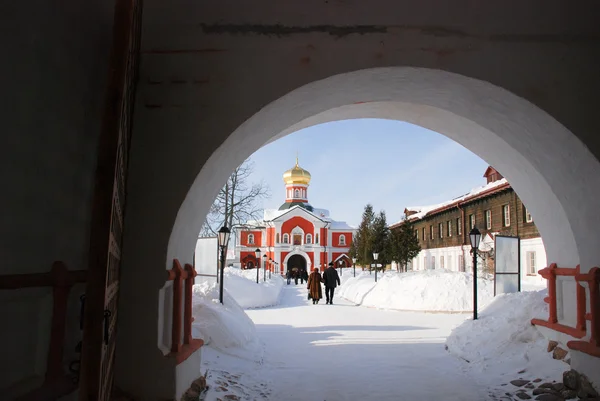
<point>387,163</point>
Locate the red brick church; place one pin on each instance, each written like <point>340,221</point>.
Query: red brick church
<point>296,236</point>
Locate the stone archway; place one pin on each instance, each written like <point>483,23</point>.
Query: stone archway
<point>297,262</point>
<point>509,133</point>
<point>300,253</point>
<point>550,168</point>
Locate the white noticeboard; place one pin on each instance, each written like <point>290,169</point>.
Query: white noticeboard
<point>206,258</point>
<point>507,272</point>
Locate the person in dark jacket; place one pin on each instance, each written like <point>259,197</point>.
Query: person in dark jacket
<point>289,277</point>
<point>303,276</point>
<point>331,280</point>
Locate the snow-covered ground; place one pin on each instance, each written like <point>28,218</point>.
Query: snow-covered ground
<point>346,351</point>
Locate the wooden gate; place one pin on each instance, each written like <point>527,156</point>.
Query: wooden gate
<point>100,315</point>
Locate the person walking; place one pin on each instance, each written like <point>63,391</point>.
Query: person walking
<point>331,280</point>
<point>289,277</point>
<point>303,276</point>
<point>314,286</point>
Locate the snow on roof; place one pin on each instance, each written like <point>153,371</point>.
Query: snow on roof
<point>272,214</point>
<point>422,211</point>
<point>323,214</point>
<point>340,225</point>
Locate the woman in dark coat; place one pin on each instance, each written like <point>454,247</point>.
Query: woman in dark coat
<point>314,286</point>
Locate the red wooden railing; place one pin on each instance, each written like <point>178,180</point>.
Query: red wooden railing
<point>183,282</point>
<point>592,278</point>
<point>591,347</point>
<point>550,273</point>
<point>56,382</point>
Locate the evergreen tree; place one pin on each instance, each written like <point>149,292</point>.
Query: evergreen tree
<point>380,239</point>
<point>363,237</point>
<point>404,244</point>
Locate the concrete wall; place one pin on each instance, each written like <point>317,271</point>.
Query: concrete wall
<point>53,73</point>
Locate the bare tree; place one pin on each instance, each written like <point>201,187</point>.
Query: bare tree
<point>237,202</point>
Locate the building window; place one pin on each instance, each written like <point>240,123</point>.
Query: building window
<point>441,262</point>
<point>506,215</point>
<point>423,236</point>
<point>441,230</point>
<point>308,239</point>
<point>296,193</point>
<point>528,218</point>
<point>531,267</point>
<point>286,238</point>
<point>342,239</point>
<point>433,262</point>
<point>277,238</point>
<point>417,234</point>
<point>449,228</point>
<point>316,238</point>
<point>471,221</point>
<point>458,227</point>
<point>431,232</point>
<point>488,219</point>
<point>250,239</point>
<point>461,263</point>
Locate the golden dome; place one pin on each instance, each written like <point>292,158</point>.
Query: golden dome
<point>296,175</point>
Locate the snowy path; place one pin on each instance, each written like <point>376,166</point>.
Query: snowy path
<point>344,352</point>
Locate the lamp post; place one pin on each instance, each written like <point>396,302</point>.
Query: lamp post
<point>271,264</point>
<point>265,268</point>
<point>223,239</point>
<point>475,237</point>
<point>257,254</point>
<point>375,256</point>
<point>354,266</point>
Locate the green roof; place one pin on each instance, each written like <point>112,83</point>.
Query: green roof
<point>289,205</point>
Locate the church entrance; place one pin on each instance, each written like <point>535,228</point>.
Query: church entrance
<point>296,264</point>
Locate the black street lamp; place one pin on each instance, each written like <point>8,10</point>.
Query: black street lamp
<point>271,264</point>
<point>354,266</point>
<point>265,268</point>
<point>375,256</point>
<point>257,254</point>
<point>223,239</point>
<point>475,237</point>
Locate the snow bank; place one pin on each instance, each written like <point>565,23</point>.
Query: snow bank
<point>504,339</point>
<point>355,289</point>
<point>241,285</point>
<point>429,290</point>
<point>224,327</point>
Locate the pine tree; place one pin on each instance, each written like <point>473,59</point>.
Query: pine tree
<point>380,239</point>
<point>404,244</point>
<point>363,237</point>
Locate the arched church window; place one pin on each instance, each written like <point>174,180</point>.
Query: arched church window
<point>250,238</point>
<point>286,238</point>
<point>316,238</point>
<point>342,239</point>
<point>296,193</point>
<point>308,239</point>
<point>277,238</point>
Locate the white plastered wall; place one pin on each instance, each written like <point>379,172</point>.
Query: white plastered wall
<point>548,166</point>
<point>533,151</point>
